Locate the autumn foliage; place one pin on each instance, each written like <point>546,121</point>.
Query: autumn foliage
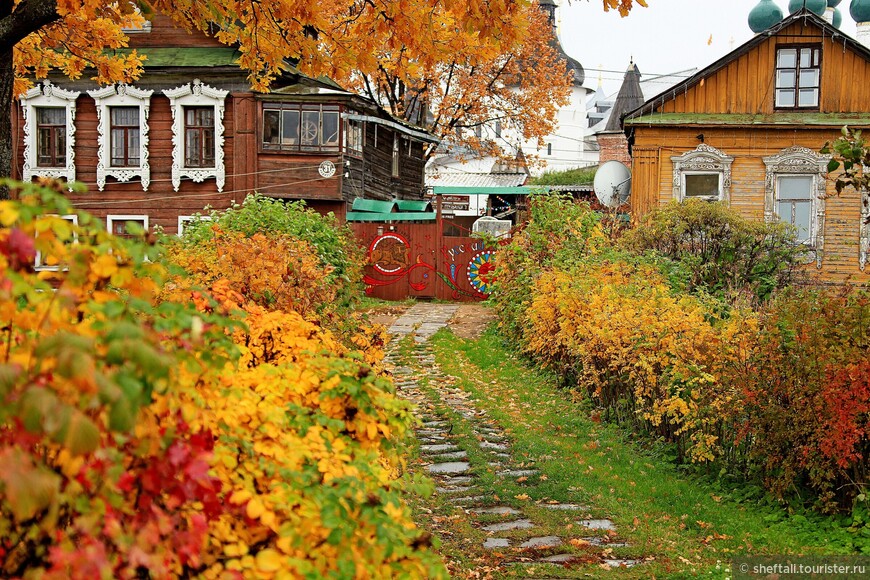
<point>207,435</point>
<point>773,391</point>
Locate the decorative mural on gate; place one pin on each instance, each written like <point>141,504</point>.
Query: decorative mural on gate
<point>467,270</point>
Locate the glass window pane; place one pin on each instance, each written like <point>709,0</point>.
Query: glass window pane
<point>802,219</point>
<point>816,56</point>
<point>809,78</point>
<point>133,147</point>
<point>310,131</point>
<point>117,147</point>
<point>330,129</point>
<point>51,116</point>
<point>785,79</point>
<point>806,57</point>
<point>125,116</point>
<point>786,58</point>
<point>795,187</point>
<point>809,97</point>
<point>192,148</point>
<point>705,184</point>
<point>60,149</point>
<point>271,126</point>
<point>785,98</point>
<point>290,129</point>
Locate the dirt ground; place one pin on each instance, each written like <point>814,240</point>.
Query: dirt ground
<point>469,321</point>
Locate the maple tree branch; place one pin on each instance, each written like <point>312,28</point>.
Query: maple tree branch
<point>29,16</point>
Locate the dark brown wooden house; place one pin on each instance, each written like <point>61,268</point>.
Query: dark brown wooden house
<point>190,133</point>
<point>747,130</point>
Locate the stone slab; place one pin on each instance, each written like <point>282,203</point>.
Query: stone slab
<point>513,525</point>
<point>493,543</point>
<point>449,467</point>
<point>542,542</point>
<point>597,524</point>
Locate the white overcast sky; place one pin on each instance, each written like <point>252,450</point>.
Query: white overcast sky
<point>668,36</point>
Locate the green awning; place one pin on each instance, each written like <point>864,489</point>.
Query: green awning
<point>412,205</point>
<point>373,205</point>
<point>370,216</point>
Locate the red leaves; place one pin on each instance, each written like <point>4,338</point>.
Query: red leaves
<point>847,396</point>
<point>19,249</point>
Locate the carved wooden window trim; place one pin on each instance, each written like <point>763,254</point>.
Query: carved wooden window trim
<point>112,218</point>
<point>121,96</point>
<point>704,159</point>
<point>799,161</point>
<point>48,95</point>
<point>196,94</point>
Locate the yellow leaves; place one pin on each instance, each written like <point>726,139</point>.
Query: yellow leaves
<point>8,213</point>
<point>268,560</point>
<point>104,266</point>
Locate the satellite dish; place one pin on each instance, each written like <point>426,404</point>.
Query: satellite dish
<point>612,184</point>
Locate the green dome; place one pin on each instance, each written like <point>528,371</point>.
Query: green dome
<point>860,10</point>
<point>817,6</point>
<point>764,15</point>
<point>834,4</point>
<point>838,18</point>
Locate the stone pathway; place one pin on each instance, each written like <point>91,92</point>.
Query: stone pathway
<point>510,531</point>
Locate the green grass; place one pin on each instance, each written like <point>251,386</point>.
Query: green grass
<point>581,176</point>
<point>684,525</point>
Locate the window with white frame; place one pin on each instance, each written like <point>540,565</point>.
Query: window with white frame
<point>119,225</point>
<point>49,262</point>
<point>184,220</point>
<point>703,173</point>
<point>798,77</point>
<point>795,194</point>
<point>122,127</point>
<point>49,132</point>
<point>197,133</point>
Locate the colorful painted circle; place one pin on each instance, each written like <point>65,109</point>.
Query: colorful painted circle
<point>389,253</point>
<point>480,271</point>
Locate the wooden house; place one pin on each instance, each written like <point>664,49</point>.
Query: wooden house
<point>747,130</point>
<point>190,133</point>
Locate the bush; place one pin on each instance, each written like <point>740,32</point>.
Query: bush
<point>725,251</point>
<point>338,254</point>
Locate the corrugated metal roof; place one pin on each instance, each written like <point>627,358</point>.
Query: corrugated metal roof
<point>370,216</point>
<point>413,205</point>
<point>372,205</point>
<point>463,179</point>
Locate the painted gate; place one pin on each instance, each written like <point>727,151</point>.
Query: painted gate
<point>417,260</point>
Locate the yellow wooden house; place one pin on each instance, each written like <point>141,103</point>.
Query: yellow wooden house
<point>747,130</point>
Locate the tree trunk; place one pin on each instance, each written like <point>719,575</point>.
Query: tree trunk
<point>7,80</point>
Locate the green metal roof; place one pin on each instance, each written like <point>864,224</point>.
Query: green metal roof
<point>795,118</point>
<point>412,205</point>
<point>460,190</point>
<point>370,216</point>
<point>373,205</point>
<point>199,56</point>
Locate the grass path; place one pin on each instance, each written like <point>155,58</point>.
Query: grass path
<point>678,527</point>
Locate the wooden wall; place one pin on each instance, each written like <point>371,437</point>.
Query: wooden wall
<point>652,182</point>
<point>746,84</point>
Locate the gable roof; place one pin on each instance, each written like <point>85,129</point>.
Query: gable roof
<point>803,14</point>
<point>630,97</point>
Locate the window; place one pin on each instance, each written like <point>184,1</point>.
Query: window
<point>49,262</point>
<point>549,148</point>
<point>798,77</point>
<point>122,126</point>
<point>197,133</point>
<point>795,194</point>
<point>300,127</point>
<point>183,220</point>
<point>395,156</point>
<point>703,185</point>
<point>498,129</point>
<point>49,132</point>
<point>703,173</point>
<point>118,225</point>
<point>199,147</point>
<point>794,203</point>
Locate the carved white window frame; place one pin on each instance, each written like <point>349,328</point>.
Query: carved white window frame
<point>48,95</point>
<point>704,159</point>
<point>196,94</point>
<point>864,232</point>
<point>121,96</point>
<point>38,265</point>
<point>112,218</point>
<point>799,161</point>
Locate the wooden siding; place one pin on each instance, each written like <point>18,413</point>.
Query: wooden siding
<point>165,33</point>
<point>652,182</point>
<point>746,84</point>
